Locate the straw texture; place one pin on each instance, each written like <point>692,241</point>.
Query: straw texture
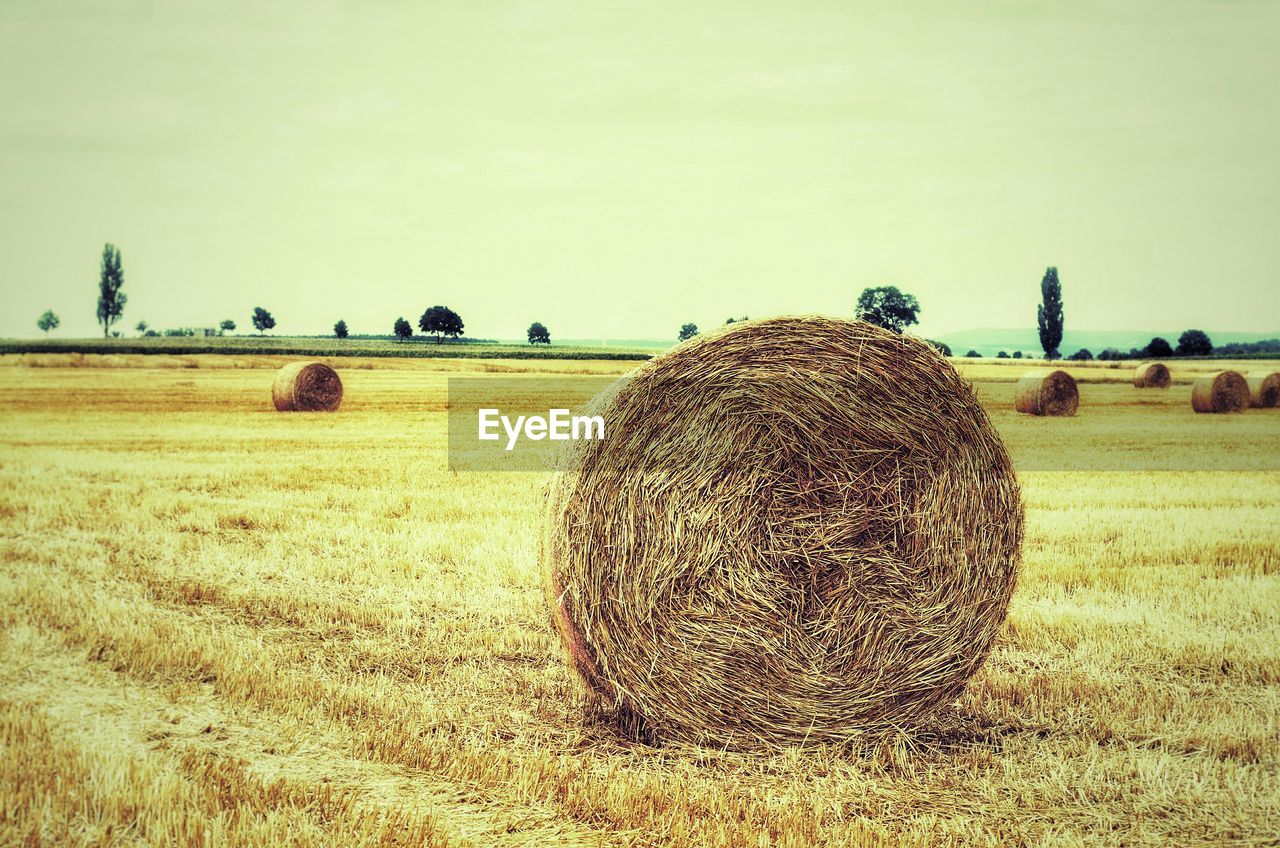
<point>1264,389</point>
<point>1047,393</point>
<point>306,387</point>
<point>1225,391</point>
<point>1152,375</point>
<point>796,530</point>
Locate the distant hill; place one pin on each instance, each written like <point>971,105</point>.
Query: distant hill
<point>989,342</point>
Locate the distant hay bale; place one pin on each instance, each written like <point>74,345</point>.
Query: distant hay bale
<point>798,529</point>
<point>306,387</point>
<point>1264,389</point>
<point>1047,393</point>
<point>1225,391</point>
<point>1152,375</point>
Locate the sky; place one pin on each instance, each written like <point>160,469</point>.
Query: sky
<point>615,169</point>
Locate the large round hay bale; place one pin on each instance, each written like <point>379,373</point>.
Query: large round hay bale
<point>1047,393</point>
<point>1225,391</point>
<point>306,387</point>
<point>795,530</point>
<point>1152,375</point>
<point>1264,389</point>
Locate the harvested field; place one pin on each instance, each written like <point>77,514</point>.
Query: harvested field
<point>224,623</point>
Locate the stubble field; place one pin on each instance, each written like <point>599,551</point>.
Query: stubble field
<point>223,625</point>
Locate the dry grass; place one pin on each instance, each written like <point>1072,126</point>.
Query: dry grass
<point>217,625</point>
<point>801,529</point>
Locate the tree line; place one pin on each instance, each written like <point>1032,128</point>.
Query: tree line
<point>441,322</point>
<point>884,306</point>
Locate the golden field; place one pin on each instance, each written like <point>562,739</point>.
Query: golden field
<point>228,626</point>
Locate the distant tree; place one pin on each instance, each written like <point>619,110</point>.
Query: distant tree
<point>141,327</point>
<point>441,321</point>
<point>1158,348</point>
<point>340,329</point>
<point>1238,348</point>
<point>539,334</point>
<point>1194,343</point>
<point>942,347</point>
<point>262,320</point>
<point>1049,316</point>
<point>735,320</point>
<point>973,354</point>
<point>1110,354</point>
<point>151,334</point>
<point>111,300</point>
<point>886,306</point>
<point>1002,355</point>
<point>1017,354</point>
<point>1081,355</point>
<point>687,331</point>
<point>48,321</point>
<point>226,326</point>
<point>403,329</point>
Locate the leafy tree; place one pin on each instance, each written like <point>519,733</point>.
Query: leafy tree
<point>1159,348</point>
<point>1049,315</point>
<point>111,300</point>
<point>1110,354</point>
<point>1002,355</point>
<point>1017,354</point>
<point>1081,355</point>
<point>735,320</point>
<point>340,329</point>
<point>141,327</point>
<point>538,334</point>
<point>441,321</point>
<point>1238,348</point>
<point>886,306</point>
<point>403,329</point>
<point>48,321</point>
<point>262,319</point>
<point>942,347</point>
<point>1194,343</point>
<point>973,354</point>
<point>687,331</point>
<point>226,326</point>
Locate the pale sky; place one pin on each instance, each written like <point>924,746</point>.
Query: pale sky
<point>614,169</point>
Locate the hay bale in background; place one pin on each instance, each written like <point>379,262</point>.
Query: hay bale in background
<point>1152,375</point>
<point>306,387</point>
<point>1047,393</point>
<point>1264,389</point>
<point>1225,391</point>
<point>796,530</point>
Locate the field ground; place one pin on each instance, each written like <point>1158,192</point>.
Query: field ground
<point>242,346</point>
<point>223,625</point>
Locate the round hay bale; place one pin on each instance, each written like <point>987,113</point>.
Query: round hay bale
<point>1225,391</point>
<point>306,387</point>
<point>1047,393</point>
<point>1264,389</point>
<point>1152,375</point>
<point>798,529</point>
